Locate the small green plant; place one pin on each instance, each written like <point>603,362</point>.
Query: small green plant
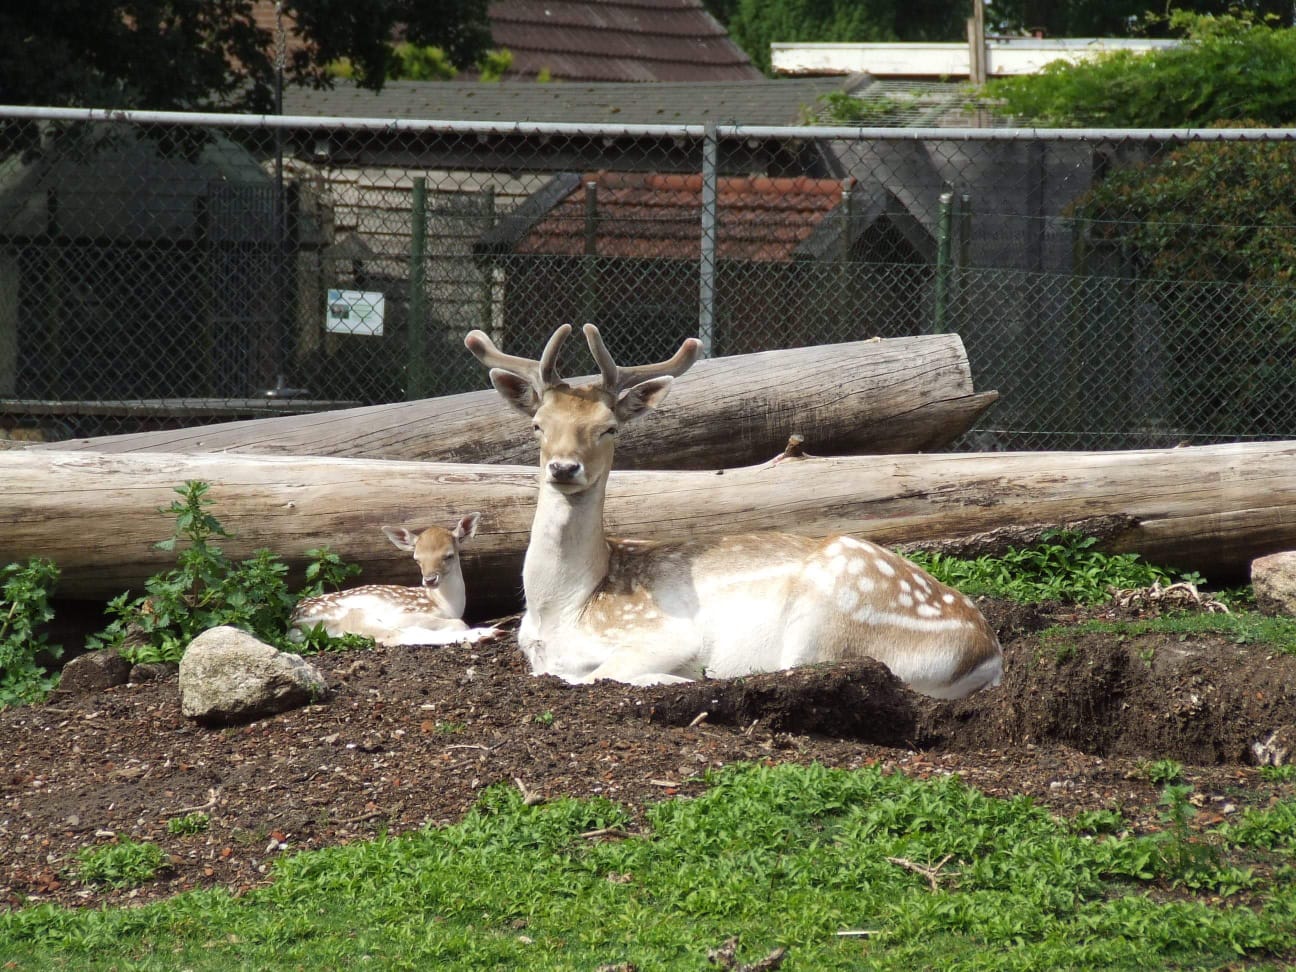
<point>189,824</point>
<point>206,589</point>
<point>448,728</point>
<point>1163,772</point>
<point>1063,566</point>
<point>1279,774</point>
<point>1098,822</point>
<point>545,718</point>
<point>25,591</point>
<point>124,864</point>
<point>1272,827</point>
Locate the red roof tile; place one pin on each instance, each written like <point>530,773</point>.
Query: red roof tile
<point>658,216</point>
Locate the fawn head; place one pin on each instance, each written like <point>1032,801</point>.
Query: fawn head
<point>435,549</point>
<point>576,427</point>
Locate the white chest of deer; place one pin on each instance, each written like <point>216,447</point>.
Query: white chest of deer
<point>644,612</point>
<point>396,615</point>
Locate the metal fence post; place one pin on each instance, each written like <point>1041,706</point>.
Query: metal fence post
<point>589,275</point>
<point>707,257</point>
<point>417,363</point>
<point>941,313</point>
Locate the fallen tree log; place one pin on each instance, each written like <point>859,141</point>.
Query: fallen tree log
<point>1211,509</point>
<point>911,394</point>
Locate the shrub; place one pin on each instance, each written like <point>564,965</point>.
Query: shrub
<point>1063,566</point>
<point>25,591</point>
<point>1227,67</point>
<point>206,589</point>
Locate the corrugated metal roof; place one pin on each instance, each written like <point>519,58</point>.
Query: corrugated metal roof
<point>655,216</point>
<point>763,102</point>
<point>617,40</point>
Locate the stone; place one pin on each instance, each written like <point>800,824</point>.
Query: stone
<point>1273,578</point>
<point>94,671</point>
<point>229,677</point>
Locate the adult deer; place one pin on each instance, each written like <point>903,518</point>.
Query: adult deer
<point>395,615</point>
<point>647,612</point>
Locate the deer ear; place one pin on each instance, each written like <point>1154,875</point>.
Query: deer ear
<point>516,390</point>
<point>643,397</point>
<point>467,527</point>
<point>402,537</point>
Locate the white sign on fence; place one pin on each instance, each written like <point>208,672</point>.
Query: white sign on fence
<point>355,312</point>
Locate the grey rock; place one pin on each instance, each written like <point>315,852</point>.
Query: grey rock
<point>228,677</point>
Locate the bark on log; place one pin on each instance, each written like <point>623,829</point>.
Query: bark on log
<point>1211,509</point>
<point>911,394</point>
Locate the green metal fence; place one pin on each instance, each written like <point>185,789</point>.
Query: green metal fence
<point>1119,289</point>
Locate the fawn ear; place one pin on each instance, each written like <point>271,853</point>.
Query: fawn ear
<point>643,397</point>
<point>401,536</point>
<point>516,390</point>
<point>467,527</point>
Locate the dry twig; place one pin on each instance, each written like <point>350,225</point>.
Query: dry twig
<point>529,797</point>
<point>1182,596</point>
<point>931,873</point>
<point>726,956</point>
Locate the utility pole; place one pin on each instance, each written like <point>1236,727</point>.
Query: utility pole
<point>976,43</point>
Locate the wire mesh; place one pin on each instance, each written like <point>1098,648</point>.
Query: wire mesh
<point>1118,289</point>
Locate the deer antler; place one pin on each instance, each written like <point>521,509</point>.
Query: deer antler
<point>541,374</point>
<point>617,380</point>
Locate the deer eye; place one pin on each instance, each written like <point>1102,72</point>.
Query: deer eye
<point>449,557</point>
<point>535,427</point>
<point>611,430</point>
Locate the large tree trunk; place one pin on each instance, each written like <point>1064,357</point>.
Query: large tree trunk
<point>1210,509</point>
<point>910,394</point>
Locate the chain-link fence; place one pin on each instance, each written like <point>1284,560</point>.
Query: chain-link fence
<point>1119,289</point>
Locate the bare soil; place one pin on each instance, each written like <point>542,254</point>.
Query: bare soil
<point>410,737</point>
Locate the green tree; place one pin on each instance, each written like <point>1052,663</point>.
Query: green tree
<point>1227,68</point>
<point>1116,18</point>
<point>194,54</point>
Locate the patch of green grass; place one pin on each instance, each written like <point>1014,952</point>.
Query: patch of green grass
<point>1241,628</point>
<point>123,864</point>
<point>784,856</point>
<point>1063,566</point>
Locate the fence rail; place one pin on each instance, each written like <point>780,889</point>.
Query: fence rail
<point>1119,288</point>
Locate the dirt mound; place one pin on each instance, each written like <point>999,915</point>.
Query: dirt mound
<point>411,736</point>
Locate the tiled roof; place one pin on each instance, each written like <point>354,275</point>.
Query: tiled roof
<point>617,40</point>
<point>601,40</point>
<point>656,216</point>
<point>764,102</point>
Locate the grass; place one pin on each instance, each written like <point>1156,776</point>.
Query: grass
<point>1241,627</point>
<point>784,856</point>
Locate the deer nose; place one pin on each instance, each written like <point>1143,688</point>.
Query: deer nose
<point>564,472</point>
<point>431,580</point>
